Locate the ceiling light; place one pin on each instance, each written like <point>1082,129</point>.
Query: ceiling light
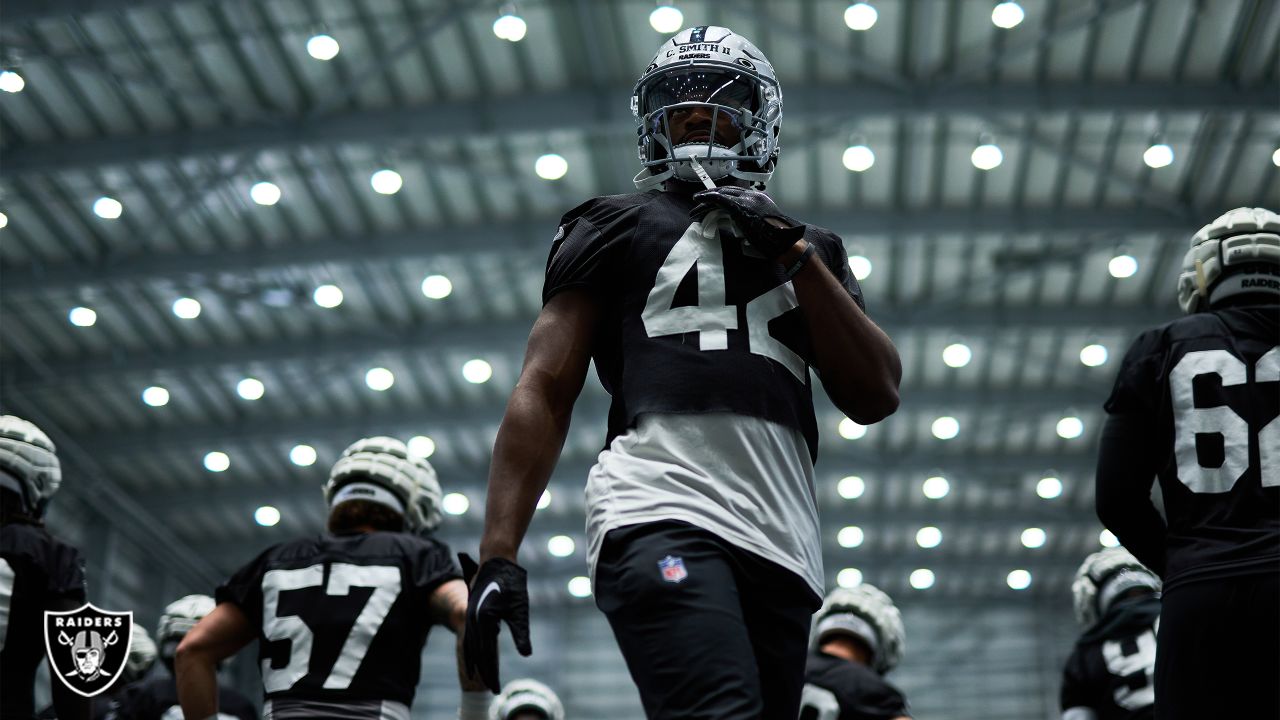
<point>561,545</point>
<point>1093,355</point>
<point>1108,539</point>
<point>437,287</point>
<point>1122,266</point>
<point>107,208</point>
<point>1158,155</point>
<point>922,579</point>
<point>936,487</point>
<point>986,157</point>
<point>544,500</point>
<point>1070,428</point>
<point>82,317</point>
<point>850,536</point>
<point>858,158</point>
<point>861,267</point>
<point>551,167</point>
<point>946,427</point>
<point>265,193</point>
<point>851,487</point>
<point>266,516</point>
<point>666,19</point>
<point>850,430</point>
<point>849,577</point>
<point>422,446</point>
<point>186,308</point>
<point>216,461</point>
<point>155,396</point>
<point>1275,157</point>
<point>11,82</point>
<point>580,587</point>
<point>956,355</point>
<point>1019,579</point>
<point>860,16</point>
<point>1049,488</point>
<point>328,296</point>
<point>322,47</point>
<point>477,371</point>
<point>510,27</point>
<point>928,537</point>
<point>4,220</point>
<point>386,182</point>
<point>1007,15</point>
<point>250,388</point>
<point>302,455</point>
<point>1033,537</point>
<point>379,379</point>
<point>455,503</point>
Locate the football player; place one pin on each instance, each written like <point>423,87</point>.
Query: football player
<point>858,637</point>
<point>526,700</point>
<point>1195,404</point>
<point>340,617</point>
<point>1110,672</point>
<point>156,697</point>
<point>704,310</point>
<point>37,571</point>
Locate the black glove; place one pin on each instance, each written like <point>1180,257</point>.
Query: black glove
<point>499,591</point>
<point>750,211</point>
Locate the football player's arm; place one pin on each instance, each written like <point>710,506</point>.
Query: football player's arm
<point>68,704</point>
<point>449,608</point>
<point>537,419</point>
<point>1123,488</point>
<point>218,636</point>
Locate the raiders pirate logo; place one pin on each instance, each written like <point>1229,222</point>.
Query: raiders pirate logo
<point>87,648</point>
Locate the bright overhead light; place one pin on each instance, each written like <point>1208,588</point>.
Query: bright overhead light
<point>551,166</point>
<point>477,371</point>
<point>4,220</point>
<point>266,516</point>
<point>946,427</point>
<point>216,461</point>
<point>1007,15</point>
<point>11,82</point>
<point>956,355</point>
<point>666,19</point>
<point>1108,539</point>
<point>511,28</point>
<point>849,577</point>
<point>328,296</point>
<point>1122,266</point>
<point>929,537</point>
<point>986,157</point>
<point>1275,157</point>
<point>1070,428</point>
<point>1033,537</point>
<point>544,500</point>
<point>386,182</point>
<point>422,446</point>
<point>851,487</point>
<point>936,487</point>
<point>850,430</point>
<point>860,16</point>
<point>1158,155</point>
<point>322,47</point>
<point>302,455</point>
<point>455,503</point>
<point>107,208</point>
<point>82,317</point>
<point>1049,488</point>
<point>436,287</point>
<point>186,308</point>
<point>1093,355</point>
<point>265,193</point>
<point>250,388</point>
<point>580,587</point>
<point>858,158</point>
<point>922,579</point>
<point>379,379</point>
<point>561,545</point>
<point>1019,579</point>
<point>861,266</point>
<point>850,536</point>
<point>155,396</point>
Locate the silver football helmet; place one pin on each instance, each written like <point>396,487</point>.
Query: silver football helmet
<point>1230,256</point>
<point>526,694</point>
<point>867,613</point>
<point>384,471</point>
<point>720,73</point>
<point>1103,577</point>
<point>142,655</point>
<point>177,620</point>
<point>28,463</point>
<point>424,512</point>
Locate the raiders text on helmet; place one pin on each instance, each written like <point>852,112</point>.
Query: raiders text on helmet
<point>867,613</point>
<point>720,73</point>
<point>526,694</point>
<point>1236,254</point>
<point>177,620</point>
<point>384,471</point>
<point>1103,577</point>
<point>28,463</point>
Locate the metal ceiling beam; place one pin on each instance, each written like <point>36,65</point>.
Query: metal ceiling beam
<point>18,11</point>
<point>561,111</point>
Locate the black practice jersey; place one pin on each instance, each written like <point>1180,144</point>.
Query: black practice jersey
<point>694,320</point>
<point>37,573</point>
<point>838,689</point>
<point>342,617</point>
<point>1210,382</point>
<point>1112,668</point>
<point>156,698</point>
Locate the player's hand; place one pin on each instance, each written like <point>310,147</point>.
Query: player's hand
<point>752,211</point>
<point>499,591</point>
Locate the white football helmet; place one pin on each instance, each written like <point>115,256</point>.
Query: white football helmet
<point>177,620</point>
<point>867,613</point>
<point>387,470</point>
<point>1103,577</point>
<point>526,694</point>
<point>720,72</point>
<point>142,655</point>
<point>424,512</point>
<point>1237,253</point>
<point>28,463</point>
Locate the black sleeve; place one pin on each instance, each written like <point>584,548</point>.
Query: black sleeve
<point>589,248</point>
<point>1075,684</point>
<point>880,701</point>
<point>66,576</point>
<point>1123,488</point>
<point>244,589</point>
<point>434,565</point>
<point>1137,386</point>
<point>830,248</point>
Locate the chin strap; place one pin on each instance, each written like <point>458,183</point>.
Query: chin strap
<point>701,173</point>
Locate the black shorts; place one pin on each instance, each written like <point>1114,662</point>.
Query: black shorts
<point>709,631</point>
<point>1218,653</point>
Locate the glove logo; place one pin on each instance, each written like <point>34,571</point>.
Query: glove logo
<point>492,587</point>
<point>87,648</point>
<point>673,570</point>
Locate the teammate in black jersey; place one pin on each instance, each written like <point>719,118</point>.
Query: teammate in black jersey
<point>1196,403</point>
<point>1110,673</point>
<point>340,617</point>
<point>703,312</point>
<point>37,571</point>
<point>858,637</point>
<point>526,700</point>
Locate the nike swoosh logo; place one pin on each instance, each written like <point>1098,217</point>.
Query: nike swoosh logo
<point>492,587</point>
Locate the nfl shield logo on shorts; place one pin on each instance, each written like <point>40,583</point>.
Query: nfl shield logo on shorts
<point>672,569</point>
<point>87,648</point>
